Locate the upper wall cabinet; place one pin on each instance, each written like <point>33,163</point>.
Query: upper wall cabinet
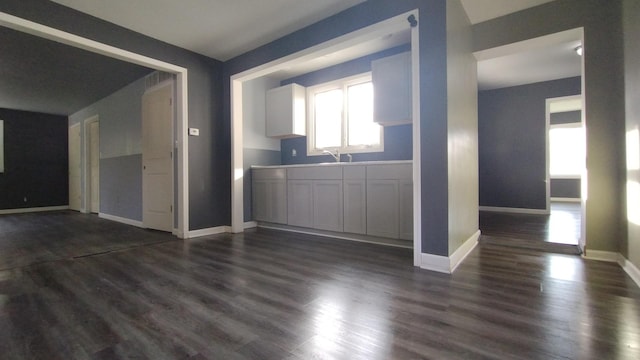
<point>286,111</point>
<point>391,78</point>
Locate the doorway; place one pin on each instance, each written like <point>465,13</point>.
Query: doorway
<point>181,100</point>
<point>75,168</point>
<point>331,47</point>
<point>92,165</point>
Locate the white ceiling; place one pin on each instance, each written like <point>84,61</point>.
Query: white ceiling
<point>220,29</point>
<point>483,10</point>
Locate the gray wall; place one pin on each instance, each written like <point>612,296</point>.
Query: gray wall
<point>630,247</point>
<point>462,129</point>
<point>433,95</point>
<point>120,116</point>
<point>604,87</point>
<point>36,161</point>
<point>512,145</point>
<point>209,153</point>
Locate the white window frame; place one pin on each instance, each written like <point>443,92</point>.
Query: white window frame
<point>564,126</point>
<point>343,84</point>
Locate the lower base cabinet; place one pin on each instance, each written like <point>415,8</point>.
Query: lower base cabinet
<point>375,200</point>
<point>269,195</point>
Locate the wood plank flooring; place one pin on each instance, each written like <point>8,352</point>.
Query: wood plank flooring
<point>273,295</point>
<point>557,232</point>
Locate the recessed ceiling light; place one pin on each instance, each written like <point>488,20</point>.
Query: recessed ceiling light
<point>578,50</point>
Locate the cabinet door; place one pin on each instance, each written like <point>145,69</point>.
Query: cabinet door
<point>391,77</point>
<point>285,111</point>
<point>355,210</point>
<point>382,208</point>
<point>260,203</point>
<point>300,203</point>
<point>278,201</point>
<point>327,205</point>
<point>406,210</point>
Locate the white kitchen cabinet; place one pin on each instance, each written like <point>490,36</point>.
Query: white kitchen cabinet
<point>286,111</point>
<point>327,205</point>
<point>269,195</point>
<point>300,203</point>
<point>390,201</point>
<point>315,198</point>
<point>392,90</point>
<point>382,211</point>
<point>405,217</point>
<point>355,199</point>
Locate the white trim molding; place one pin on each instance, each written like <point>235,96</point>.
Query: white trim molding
<point>209,231</point>
<point>566,199</point>
<point>250,224</point>
<point>629,268</point>
<point>34,209</point>
<point>463,251</point>
<point>122,220</point>
<point>514,210</point>
<point>449,264</point>
<point>608,256</point>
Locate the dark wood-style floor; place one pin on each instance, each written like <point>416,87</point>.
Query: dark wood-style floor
<point>557,232</point>
<point>274,295</point>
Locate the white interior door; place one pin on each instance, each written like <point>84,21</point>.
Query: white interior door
<point>157,163</point>
<point>94,163</point>
<point>75,168</point>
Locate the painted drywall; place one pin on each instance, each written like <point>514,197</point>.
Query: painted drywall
<point>209,153</point>
<point>630,247</point>
<point>36,160</point>
<point>565,188</point>
<point>258,149</point>
<point>565,117</point>
<point>120,116</point>
<point>433,96</point>
<point>603,91</point>
<point>462,103</point>
<point>397,139</point>
<point>512,148</point>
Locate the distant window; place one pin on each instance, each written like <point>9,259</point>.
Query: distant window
<point>340,117</point>
<point>567,153</point>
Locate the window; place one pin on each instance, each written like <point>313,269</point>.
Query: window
<point>340,115</point>
<point>566,150</point>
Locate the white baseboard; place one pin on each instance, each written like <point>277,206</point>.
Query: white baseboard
<point>463,251</point>
<point>598,255</point>
<point>565,199</point>
<point>209,231</point>
<point>122,220</point>
<point>250,225</point>
<point>448,265</point>
<point>435,263</point>
<point>629,268</point>
<point>32,210</point>
<point>514,210</point>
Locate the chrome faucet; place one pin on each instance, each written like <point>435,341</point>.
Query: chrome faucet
<point>335,156</point>
<point>350,157</point>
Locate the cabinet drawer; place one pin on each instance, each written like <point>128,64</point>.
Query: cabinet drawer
<point>269,174</point>
<point>390,172</point>
<point>315,173</point>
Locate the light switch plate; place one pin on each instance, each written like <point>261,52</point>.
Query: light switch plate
<point>194,132</point>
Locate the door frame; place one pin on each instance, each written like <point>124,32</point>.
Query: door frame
<point>181,100</point>
<point>79,151</point>
<point>86,163</point>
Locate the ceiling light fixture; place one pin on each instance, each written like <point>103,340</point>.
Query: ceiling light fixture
<point>578,50</point>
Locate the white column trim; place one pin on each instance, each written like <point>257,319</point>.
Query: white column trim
<point>120,219</point>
